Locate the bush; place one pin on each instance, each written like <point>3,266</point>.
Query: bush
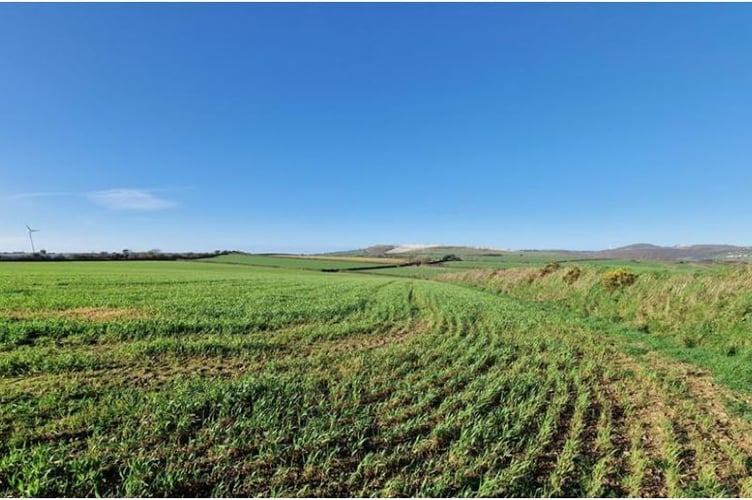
<point>450,258</point>
<point>572,275</point>
<point>549,268</point>
<point>618,279</point>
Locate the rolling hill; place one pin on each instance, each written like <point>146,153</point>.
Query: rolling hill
<point>639,251</point>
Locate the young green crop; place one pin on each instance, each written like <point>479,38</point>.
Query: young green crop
<point>703,317</point>
<point>215,379</point>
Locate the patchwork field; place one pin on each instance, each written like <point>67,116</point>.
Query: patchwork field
<point>262,377</point>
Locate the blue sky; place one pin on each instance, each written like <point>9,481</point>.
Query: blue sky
<point>300,127</point>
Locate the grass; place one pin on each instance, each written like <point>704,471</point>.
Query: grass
<point>707,306</point>
<point>419,272</point>
<point>220,379</point>
<point>302,262</point>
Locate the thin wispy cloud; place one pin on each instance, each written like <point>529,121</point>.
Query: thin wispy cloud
<point>130,199</point>
<point>41,194</point>
<point>144,200</point>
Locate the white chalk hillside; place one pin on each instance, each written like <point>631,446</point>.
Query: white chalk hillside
<point>410,248</point>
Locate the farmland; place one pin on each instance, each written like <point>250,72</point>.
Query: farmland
<point>300,262</point>
<point>245,376</point>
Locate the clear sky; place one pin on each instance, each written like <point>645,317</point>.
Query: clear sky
<point>299,127</point>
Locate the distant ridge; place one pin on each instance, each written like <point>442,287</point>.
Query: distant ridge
<point>637,251</point>
<point>644,251</point>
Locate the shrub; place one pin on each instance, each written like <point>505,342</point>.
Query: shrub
<point>617,279</point>
<point>572,275</point>
<point>549,268</point>
<point>450,258</point>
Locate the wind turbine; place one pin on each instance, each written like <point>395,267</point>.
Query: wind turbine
<point>33,250</point>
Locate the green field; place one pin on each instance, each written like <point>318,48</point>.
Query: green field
<point>424,272</point>
<point>256,376</point>
<point>300,262</point>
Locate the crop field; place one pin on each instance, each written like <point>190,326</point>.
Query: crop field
<point>425,271</point>
<point>222,379</point>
